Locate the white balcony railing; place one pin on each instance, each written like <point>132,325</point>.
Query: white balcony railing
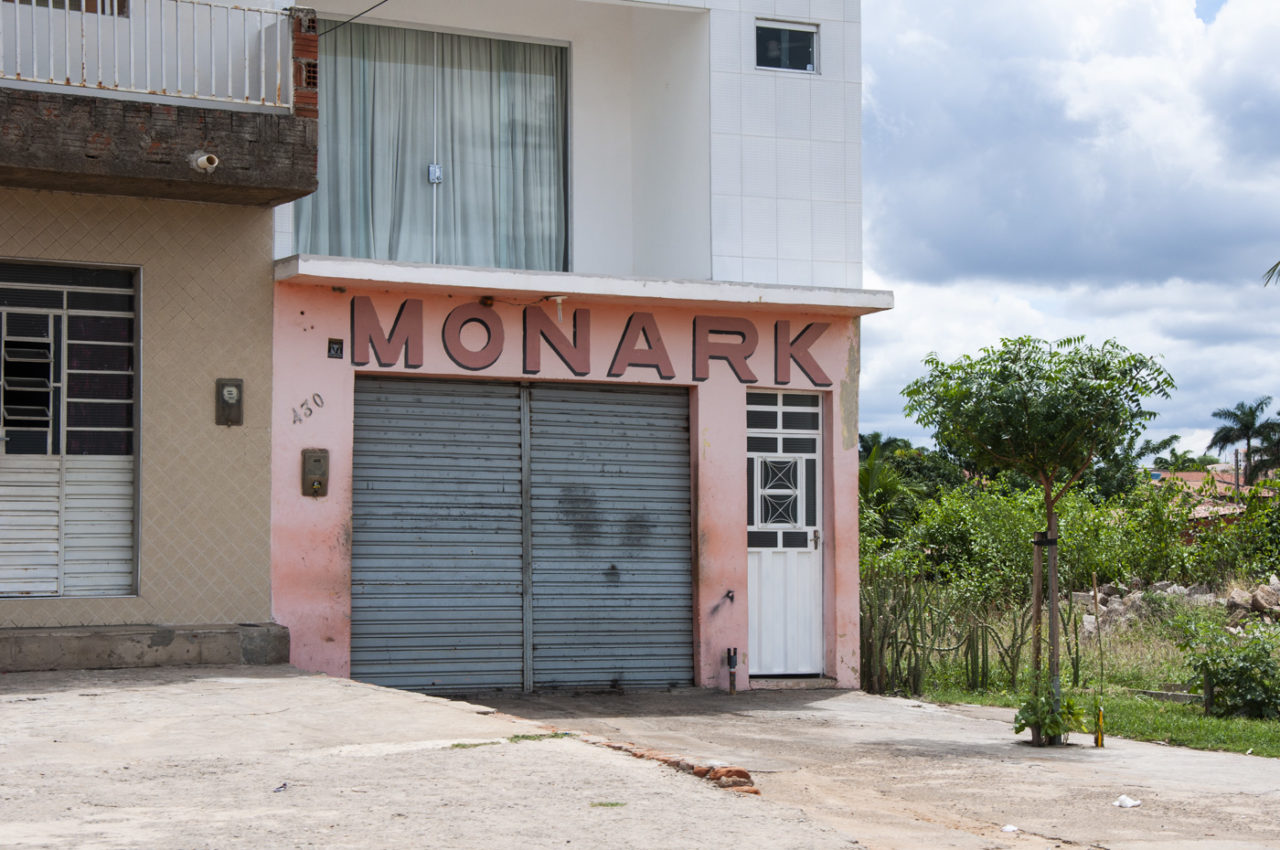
<point>178,48</point>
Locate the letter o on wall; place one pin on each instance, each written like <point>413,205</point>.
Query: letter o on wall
<point>458,319</point>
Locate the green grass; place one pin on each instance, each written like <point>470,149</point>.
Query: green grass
<point>1145,719</point>
<point>514,739</point>
<point>603,805</point>
<point>1142,657</point>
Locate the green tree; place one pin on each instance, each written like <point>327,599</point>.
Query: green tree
<point>1266,457</point>
<point>1118,472</point>
<point>1273,274</point>
<point>868,442</point>
<point>1179,461</point>
<point>933,472</point>
<point>886,500</point>
<point>1046,410</point>
<point>1245,424</point>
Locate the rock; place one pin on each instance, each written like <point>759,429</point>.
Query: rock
<point>732,782</point>
<point>1082,599</point>
<point>1134,601</point>
<point>1088,625</point>
<point>1239,600</point>
<point>1265,599</point>
<point>1199,590</point>
<point>1238,616</point>
<point>746,789</point>
<point>701,771</point>
<point>1274,582</point>
<point>1112,590</point>
<point>1118,617</point>
<point>1161,586</point>
<point>1177,590</point>
<point>1202,600</point>
<point>729,773</point>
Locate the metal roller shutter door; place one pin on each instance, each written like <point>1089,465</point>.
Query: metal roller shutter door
<point>436,535</point>
<point>612,576</point>
<point>437,601</point>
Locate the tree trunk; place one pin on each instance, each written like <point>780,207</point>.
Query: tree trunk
<point>1055,679</point>
<point>1037,583</point>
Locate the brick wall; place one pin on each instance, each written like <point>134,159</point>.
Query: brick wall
<point>124,147</point>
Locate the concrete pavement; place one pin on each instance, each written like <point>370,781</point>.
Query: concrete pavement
<point>268,757</point>
<point>897,773</point>
<point>239,757</point>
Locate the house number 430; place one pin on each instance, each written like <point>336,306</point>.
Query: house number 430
<point>308,408</point>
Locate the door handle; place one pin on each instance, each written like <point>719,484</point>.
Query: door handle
<point>817,538</point>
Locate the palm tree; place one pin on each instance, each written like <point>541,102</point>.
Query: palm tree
<point>1273,274</point>
<point>1244,425</point>
<point>868,442</point>
<point>887,501</point>
<point>1266,457</point>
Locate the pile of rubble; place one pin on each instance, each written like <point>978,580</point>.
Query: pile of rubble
<point>1119,605</point>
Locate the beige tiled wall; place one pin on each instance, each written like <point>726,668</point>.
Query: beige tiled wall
<point>205,313</point>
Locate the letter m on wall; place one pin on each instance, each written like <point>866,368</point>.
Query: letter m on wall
<point>367,333</point>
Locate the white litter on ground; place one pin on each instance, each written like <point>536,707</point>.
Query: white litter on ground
<point>1124,801</point>
<point>1008,828</point>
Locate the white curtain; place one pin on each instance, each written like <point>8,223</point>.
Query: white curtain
<point>492,113</point>
<point>376,111</point>
<point>502,203</point>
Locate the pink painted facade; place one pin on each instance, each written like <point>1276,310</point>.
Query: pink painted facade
<point>718,350</point>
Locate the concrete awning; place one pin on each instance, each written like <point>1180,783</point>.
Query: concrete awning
<point>344,271</point>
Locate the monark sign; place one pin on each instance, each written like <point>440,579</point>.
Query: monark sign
<point>640,344</point>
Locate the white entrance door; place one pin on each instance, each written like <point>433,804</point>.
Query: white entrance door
<point>784,538</point>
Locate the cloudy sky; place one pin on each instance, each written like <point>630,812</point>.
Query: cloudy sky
<point>1060,167</point>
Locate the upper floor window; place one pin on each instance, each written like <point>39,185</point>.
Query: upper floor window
<point>788,47</point>
<point>439,148</point>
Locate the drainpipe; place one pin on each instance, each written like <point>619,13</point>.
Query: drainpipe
<point>732,656</point>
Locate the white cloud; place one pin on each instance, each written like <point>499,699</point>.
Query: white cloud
<point>1061,140</point>
<point>1198,332</point>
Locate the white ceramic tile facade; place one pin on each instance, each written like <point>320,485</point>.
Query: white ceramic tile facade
<point>728,268</point>
<point>832,59</point>
<point>726,164</point>
<point>795,168</point>
<point>726,224</point>
<point>726,94</point>
<point>282,224</point>
<point>829,232</point>
<point>760,271</point>
<point>726,46</point>
<point>828,274</point>
<point>760,228</point>
<point>786,200</point>
<point>759,107</point>
<point>759,166</point>
<point>795,228</point>
<point>793,105</point>
<point>830,10</point>
<point>793,10</point>
<point>827,161</point>
<point>795,272</point>
<point>826,111</point>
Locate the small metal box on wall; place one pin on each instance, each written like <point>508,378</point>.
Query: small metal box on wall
<point>315,472</point>
<point>228,401</point>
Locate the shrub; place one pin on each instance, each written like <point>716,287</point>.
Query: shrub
<point>1248,549</point>
<point>1038,713</point>
<point>1238,674</point>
